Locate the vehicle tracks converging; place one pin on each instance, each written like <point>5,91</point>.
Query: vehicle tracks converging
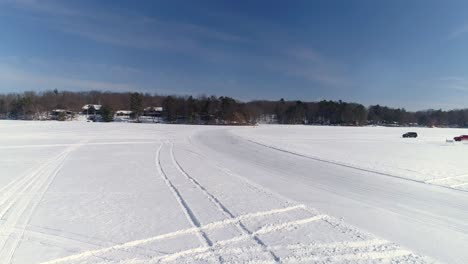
<point>369,248</point>
<point>239,225</point>
<point>267,236</point>
<point>183,204</point>
<point>20,198</point>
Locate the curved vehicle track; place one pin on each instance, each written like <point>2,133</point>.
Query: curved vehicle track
<point>426,218</point>
<point>258,235</point>
<point>161,194</point>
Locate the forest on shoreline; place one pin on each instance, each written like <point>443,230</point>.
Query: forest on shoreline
<point>224,110</point>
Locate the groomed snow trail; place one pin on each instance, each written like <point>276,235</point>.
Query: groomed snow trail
<point>130,193</point>
<point>426,218</point>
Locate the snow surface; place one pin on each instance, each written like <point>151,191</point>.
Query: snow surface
<point>428,158</point>
<point>78,192</point>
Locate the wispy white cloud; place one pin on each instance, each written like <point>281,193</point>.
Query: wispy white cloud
<point>38,74</point>
<point>45,6</point>
<point>129,30</point>
<point>24,80</point>
<point>308,64</point>
<point>35,73</point>
<point>458,32</point>
<point>453,83</point>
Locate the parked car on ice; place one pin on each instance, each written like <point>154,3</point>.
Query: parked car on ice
<point>460,138</point>
<point>410,135</point>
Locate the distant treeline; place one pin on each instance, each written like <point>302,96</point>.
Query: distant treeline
<point>225,110</point>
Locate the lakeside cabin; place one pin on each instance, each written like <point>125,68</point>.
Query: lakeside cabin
<point>152,114</point>
<point>91,109</point>
<point>61,114</point>
<point>123,115</point>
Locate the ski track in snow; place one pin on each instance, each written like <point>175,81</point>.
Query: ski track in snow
<point>19,200</point>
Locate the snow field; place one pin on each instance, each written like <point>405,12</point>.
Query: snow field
<point>145,194</point>
<point>428,158</point>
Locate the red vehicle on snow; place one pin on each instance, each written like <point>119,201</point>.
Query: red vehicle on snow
<point>460,138</point>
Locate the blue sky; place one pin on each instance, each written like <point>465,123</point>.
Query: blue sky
<point>411,54</point>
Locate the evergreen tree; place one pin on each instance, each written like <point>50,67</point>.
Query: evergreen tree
<point>136,105</point>
<point>107,113</point>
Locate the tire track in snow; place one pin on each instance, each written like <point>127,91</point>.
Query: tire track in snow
<point>183,204</point>
<point>447,178</point>
<point>20,184</point>
<point>450,179</point>
<point>458,185</point>
<point>188,231</point>
<point>248,183</point>
<point>21,207</point>
<point>303,253</point>
<point>58,241</point>
<point>7,254</point>
<point>349,257</point>
<point>45,186</point>
<point>222,208</point>
<point>70,245</point>
<point>205,250</point>
<point>261,231</point>
<point>340,164</point>
<point>331,161</point>
<point>288,225</point>
<point>335,247</point>
<point>78,144</point>
<point>28,172</point>
<point>76,244</point>
<point>332,222</point>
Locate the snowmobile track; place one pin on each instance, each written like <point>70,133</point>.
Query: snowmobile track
<point>239,225</point>
<point>21,200</point>
<point>183,204</point>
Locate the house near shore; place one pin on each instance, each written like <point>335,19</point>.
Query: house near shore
<point>61,114</point>
<point>123,116</point>
<point>152,114</point>
<point>91,109</point>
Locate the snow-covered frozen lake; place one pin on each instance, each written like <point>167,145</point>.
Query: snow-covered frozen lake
<point>76,192</point>
<point>428,158</point>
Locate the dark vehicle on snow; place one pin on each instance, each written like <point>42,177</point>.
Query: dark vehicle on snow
<point>410,135</point>
<point>460,138</point>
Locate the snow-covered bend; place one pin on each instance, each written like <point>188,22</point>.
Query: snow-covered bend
<point>428,158</point>
<point>429,219</point>
<point>133,193</point>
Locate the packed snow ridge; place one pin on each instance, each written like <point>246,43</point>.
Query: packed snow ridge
<point>137,193</point>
